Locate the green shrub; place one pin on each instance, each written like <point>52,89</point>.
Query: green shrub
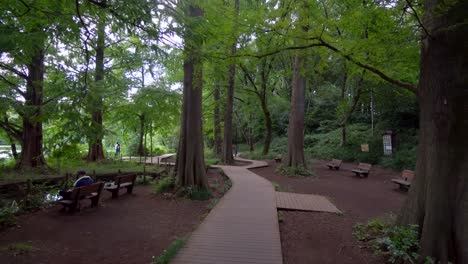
<point>170,252</point>
<point>228,185</point>
<point>199,194</point>
<point>294,171</point>
<point>404,158</point>
<point>371,230</point>
<point>163,185</point>
<point>38,196</point>
<point>277,186</point>
<point>143,180</point>
<point>7,214</point>
<point>277,148</point>
<point>399,244</point>
<point>327,146</point>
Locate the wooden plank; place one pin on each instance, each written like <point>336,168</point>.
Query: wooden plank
<point>242,228</point>
<point>304,202</point>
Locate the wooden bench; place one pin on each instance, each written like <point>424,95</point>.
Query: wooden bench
<point>278,159</point>
<point>92,192</point>
<point>406,179</point>
<point>363,170</point>
<point>334,164</point>
<point>125,181</point>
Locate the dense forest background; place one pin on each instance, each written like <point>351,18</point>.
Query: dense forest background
<point>112,72</point>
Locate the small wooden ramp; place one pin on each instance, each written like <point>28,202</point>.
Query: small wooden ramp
<point>304,202</point>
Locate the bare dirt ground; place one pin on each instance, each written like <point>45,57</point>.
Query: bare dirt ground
<point>130,229</point>
<point>313,237</point>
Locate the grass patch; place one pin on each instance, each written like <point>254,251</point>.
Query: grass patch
<point>199,194</point>
<point>163,185</point>
<point>213,203</point>
<point>171,251</point>
<point>59,168</point>
<point>20,248</point>
<point>211,158</point>
<point>144,180</point>
<point>277,186</point>
<point>291,171</point>
<point>280,216</point>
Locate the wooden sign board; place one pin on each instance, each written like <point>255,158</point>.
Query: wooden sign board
<point>365,147</point>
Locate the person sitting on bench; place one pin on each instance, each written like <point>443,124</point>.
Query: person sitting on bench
<point>83,180</point>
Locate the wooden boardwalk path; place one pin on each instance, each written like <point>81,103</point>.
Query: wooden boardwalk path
<point>242,228</point>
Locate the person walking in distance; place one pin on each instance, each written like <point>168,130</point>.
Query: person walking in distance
<point>117,149</point>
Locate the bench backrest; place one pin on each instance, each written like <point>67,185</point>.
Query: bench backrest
<point>365,166</point>
<point>408,175</point>
<point>337,162</point>
<point>87,190</point>
<point>125,178</point>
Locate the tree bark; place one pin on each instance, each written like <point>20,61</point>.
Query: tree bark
<point>438,198</point>
<point>141,148</point>
<point>14,152</point>
<point>31,148</point>
<point>190,164</point>
<point>262,96</point>
<point>227,141</point>
<point>356,97</point>
<point>96,150</point>
<point>343,96</point>
<point>268,125</point>
<point>218,141</point>
<point>295,154</point>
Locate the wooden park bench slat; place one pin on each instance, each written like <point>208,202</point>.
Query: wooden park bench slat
<point>363,169</point>
<point>405,181</point>
<point>92,192</point>
<point>334,164</point>
<point>125,181</point>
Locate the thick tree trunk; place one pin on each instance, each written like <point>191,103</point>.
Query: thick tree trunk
<point>141,149</point>
<point>227,141</point>
<point>438,199</point>
<point>295,154</point>
<point>218,141</point>
<point>190,157</point>
<point>31,148</point>
<point>96,150</point>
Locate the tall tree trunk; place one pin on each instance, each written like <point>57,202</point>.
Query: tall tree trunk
<point>14,152</point>
<point>96,150</point>
<point>295,154</point>
<point>343,96</point>
<point>218,141</point>
<point>438,198</point>
<point>141,149</point>
<point>31,148</point>
<point>268,126</point>
<point>190,156</point>
<point>227,141</point>
<point>347,115</point>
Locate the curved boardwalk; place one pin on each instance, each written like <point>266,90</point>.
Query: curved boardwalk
<point>242,228</point>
